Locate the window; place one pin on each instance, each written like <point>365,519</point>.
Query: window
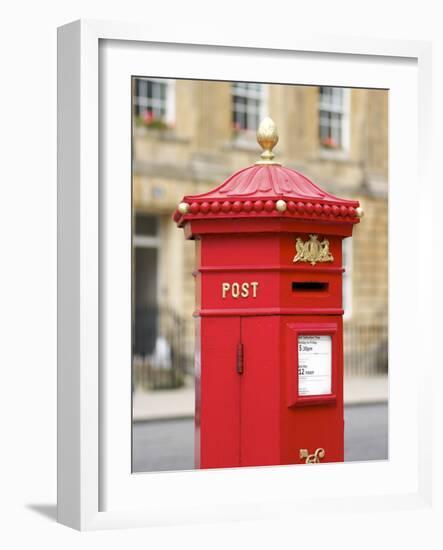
<point>347,277</point>
<point>154,101</point>
<point>248,105</point>
<point>333,117</point>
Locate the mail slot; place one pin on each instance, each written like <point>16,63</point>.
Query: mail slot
<point>269,329</point>
<point>309,286</point>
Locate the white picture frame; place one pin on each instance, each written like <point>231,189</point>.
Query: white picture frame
<point>96,490</point>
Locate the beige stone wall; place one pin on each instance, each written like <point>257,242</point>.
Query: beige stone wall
<point>370,262</point>
<point>200,152</point>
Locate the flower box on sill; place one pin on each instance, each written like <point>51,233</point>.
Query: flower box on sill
<point>329,143</point>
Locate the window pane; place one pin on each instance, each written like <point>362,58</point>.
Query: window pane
<point>247,101</point>
<point>151,96</point>
<point>242,120</point>
<point>331,111</point>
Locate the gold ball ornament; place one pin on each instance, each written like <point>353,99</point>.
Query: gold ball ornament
<point>281,205</point>
<point>183,208</point>
<point>360,212</point>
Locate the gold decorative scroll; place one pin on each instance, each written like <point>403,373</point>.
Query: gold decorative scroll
<point>312,250</point>
<point>313,458</point>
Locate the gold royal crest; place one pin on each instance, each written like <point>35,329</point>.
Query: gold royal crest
<point>312,251</point>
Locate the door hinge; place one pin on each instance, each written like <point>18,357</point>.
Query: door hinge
<point>240,358</point>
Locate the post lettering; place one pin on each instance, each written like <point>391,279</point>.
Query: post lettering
<point>254,289</point>
<point>225,288</point>
<point>245,290</point>
<point>237,290</point>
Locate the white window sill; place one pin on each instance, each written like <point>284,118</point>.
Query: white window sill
<point>161,134</point>
<point>246,141</point>
<point>339,155</point>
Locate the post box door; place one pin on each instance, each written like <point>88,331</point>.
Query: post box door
<point>260,392</point>
<point>217,384</point>
<point>237,392</point>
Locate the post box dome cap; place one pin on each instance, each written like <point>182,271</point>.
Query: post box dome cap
<point>268,188</point>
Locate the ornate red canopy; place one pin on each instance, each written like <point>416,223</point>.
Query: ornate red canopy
<point>267,188</point>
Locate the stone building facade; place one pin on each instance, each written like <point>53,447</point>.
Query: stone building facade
<point>190,135</point>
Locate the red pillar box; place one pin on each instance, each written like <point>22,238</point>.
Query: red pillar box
<point>269,331</point>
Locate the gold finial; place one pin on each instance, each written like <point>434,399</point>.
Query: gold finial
<point>267,137</point>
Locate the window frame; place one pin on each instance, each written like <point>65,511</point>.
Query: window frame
<point>345,111</point>
<point>261,96</point>
<point>169,117</point>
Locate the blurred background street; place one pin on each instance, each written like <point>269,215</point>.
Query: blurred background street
<point>163,430</point>
<point>168,444</point>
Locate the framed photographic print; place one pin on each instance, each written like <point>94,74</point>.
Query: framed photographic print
<point>223,303</point>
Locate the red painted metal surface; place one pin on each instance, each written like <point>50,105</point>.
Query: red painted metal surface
<point>254,191</point>
<point>252,303</point>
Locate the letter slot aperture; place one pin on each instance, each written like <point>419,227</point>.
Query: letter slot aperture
<point>309,286</point>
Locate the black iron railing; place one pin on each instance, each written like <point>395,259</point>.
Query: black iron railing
<point>366,347</point>
<point>162,349</point>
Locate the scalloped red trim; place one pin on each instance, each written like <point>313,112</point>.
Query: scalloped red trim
<point>312,209</point>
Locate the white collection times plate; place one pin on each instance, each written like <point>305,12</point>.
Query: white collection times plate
<point>314,364</point>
